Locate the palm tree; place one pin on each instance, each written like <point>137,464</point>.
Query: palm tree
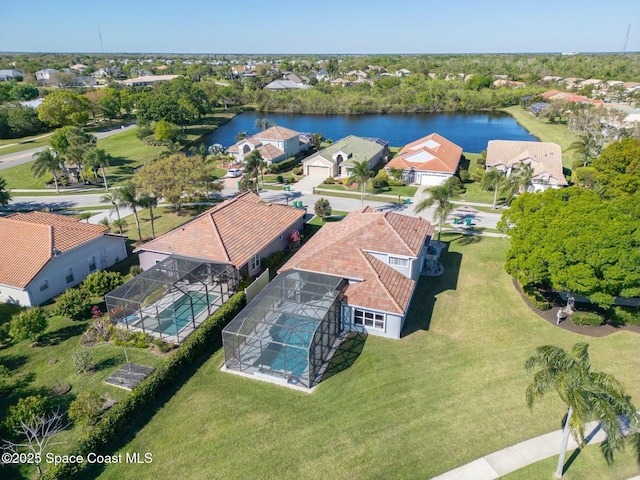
<point>147,201</point>
<point>252,165</point>
<point>520,180</point>
<point>492,180</point>
<point>97,158</point>
<point>120,224</point>
<point>241,135</point>
<point>201,152</point>
<point>171,148</point>
<point>85,216</point>
<point>440,196</point>
<point>46,161</point>
<point>264,123</point>
<point>589,395</point>
<point>127,197</point>
<point>262,167</point>
<point>105,222</point>
<point>587,145</point>
<point>114,200</point>
<point>362,173</point>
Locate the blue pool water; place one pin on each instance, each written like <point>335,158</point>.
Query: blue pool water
<point>182,309</point>
<point>289,357</point>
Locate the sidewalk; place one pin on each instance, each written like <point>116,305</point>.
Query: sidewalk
<point>507,460</point>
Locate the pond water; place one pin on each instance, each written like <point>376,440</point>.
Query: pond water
<point>471,131</point>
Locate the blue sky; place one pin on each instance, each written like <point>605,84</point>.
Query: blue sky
<point>319,26</point>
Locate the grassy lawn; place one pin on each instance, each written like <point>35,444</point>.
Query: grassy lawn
<point>546,132</point>
<point>26,143</point>
<point>336,216</point>
<point>208,123</point>
<point>165,219</point>
<point>403,191</point>
<point>588,463</point>
<point>20,176</point>
<point>451,391</point>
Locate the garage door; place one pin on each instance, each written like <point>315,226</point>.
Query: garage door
<point>432,180</point>
<point>319,172</point>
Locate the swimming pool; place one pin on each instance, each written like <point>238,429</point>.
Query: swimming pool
<point>180,310</point>
<point>291,353</point>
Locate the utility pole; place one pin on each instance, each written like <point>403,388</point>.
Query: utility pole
<point>626,40</point>
<point>102,46</point>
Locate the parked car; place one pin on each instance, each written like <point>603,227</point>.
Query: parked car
<point>234,172</point>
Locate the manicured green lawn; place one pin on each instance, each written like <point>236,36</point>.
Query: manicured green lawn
<point>546,132</point>
<point>588,464</point>
<point>403,191</point>
<point>451,390</point>
<point>25,143</point>
<point>20,176</point>
<point>165,219</point>
<point>336,216</point>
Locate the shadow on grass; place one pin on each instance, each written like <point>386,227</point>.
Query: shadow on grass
<point>346,354</point>
<point>108,363</point>
<point>427,290</point>
<point>576,453</point>
<point>13,362</point>
<point>65,333</point>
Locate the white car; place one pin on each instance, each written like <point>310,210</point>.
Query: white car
<point>234,172</point>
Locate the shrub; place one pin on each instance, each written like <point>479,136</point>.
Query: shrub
<point>29,324</point>
<point>82,359</point>
<point>329,181</point>
<point>298,170</point>
<point>86,409</point>
<point>280,179</point>
<point>322,208</point>
<point>381,180</point>
<point>196,348</point>
<point>74,303</point>
<point>587,318</point>
<point>4,333</point>
<point>272,260</point>
<point>534,296</point>
<point>101,282</point>
<point>464,175</point>
<point>283,165</point>
<point>135,270</point>
<point>143,131</point>
<point>25,410</point>
<point>626,315</point>
<point>395,183</point>
<point>482,162</point>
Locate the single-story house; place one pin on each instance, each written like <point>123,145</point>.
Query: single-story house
<point>79,67</point>
<point>44,77</point>
<point>274,144</point>
<point>545,159</point>
<point>285,84</point>
<point>430,161</point>
<point>381,255</point>
<point>538,107</point>
<point>240,231</point>
<point>7,75</point>
<point>43,254</point>
<point>338,159</point>
<point>147,80</point>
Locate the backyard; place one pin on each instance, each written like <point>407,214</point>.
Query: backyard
<point>449,392</point>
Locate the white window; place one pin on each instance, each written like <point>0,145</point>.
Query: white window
<point>68,275</point>
<point>92,264</point>
<point>254,263</point>
<point>369,319</point>
<point>44,285</point>
<point>401,262</point>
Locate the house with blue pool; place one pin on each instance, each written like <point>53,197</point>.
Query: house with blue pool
<point>355,275</point>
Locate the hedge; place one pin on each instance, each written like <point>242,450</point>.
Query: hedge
<point>626,315</point>
<point>534,296</point>
<point>283,165</point>
<point>587,318</point>
<point>207,337</point>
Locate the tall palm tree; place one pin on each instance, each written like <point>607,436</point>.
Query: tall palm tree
<point>588,145</point>
<point>252,166</point>
<point>440,196</point>
<point>120,224</point>
<point>520,181</point>
<point>150,202</point>
<point>128,198</point>
<point>105,222</point>
<point>492,180</point>
<point>589,395</point>
<point>114,200</point>
<point>46,161</point>
<point>97,158</point>
<point>241,135</point>
<point>362,173</point>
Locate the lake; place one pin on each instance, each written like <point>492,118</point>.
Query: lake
<point>471,131</point>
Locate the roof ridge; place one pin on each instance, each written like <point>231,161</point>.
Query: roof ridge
<point>377,273</point>
<point>219,237</point>
<point>386,219</point>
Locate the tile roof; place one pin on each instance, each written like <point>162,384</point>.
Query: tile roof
<point>347,249</point>
<point>432,153</point>
<point>356,149</point>
<point>29,240</point>
<point>276,133</point>
<point>269,152</point>
<point>545,158</point>
<point>232,231</point>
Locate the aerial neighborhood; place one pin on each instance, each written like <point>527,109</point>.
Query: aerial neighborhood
<point>319,266</point>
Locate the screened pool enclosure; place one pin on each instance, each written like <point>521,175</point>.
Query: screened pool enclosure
<point>287,331</point>
<point>171,299</point>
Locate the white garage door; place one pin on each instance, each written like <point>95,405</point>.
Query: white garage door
<point>432,180</point>
<point>319,172</point>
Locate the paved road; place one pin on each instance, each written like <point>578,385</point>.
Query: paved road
<point>18,158</point>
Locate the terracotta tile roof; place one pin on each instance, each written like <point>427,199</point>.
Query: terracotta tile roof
<point>347,249</point>
<point>545,158</point>
<point>29,239</point>
<point>269,152</point>
<point>232,231</point>
<point>432,153</point>
<point>550,93</point>
<point>276,133</point>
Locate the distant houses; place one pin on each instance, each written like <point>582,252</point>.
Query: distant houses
<point>11,74</point>
<point>148,80</point>
<point>274,144</point>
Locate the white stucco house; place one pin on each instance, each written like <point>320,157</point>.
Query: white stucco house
<point>45,76</point>
<point>338,159</point>
<point>381,255</point>
<point>274,144</point>
<point>428,161</point>
<point>545,159</point>
<point>43,254</point>
<point>7,75</point>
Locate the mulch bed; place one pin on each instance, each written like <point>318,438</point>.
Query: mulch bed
<point>550,316</point>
